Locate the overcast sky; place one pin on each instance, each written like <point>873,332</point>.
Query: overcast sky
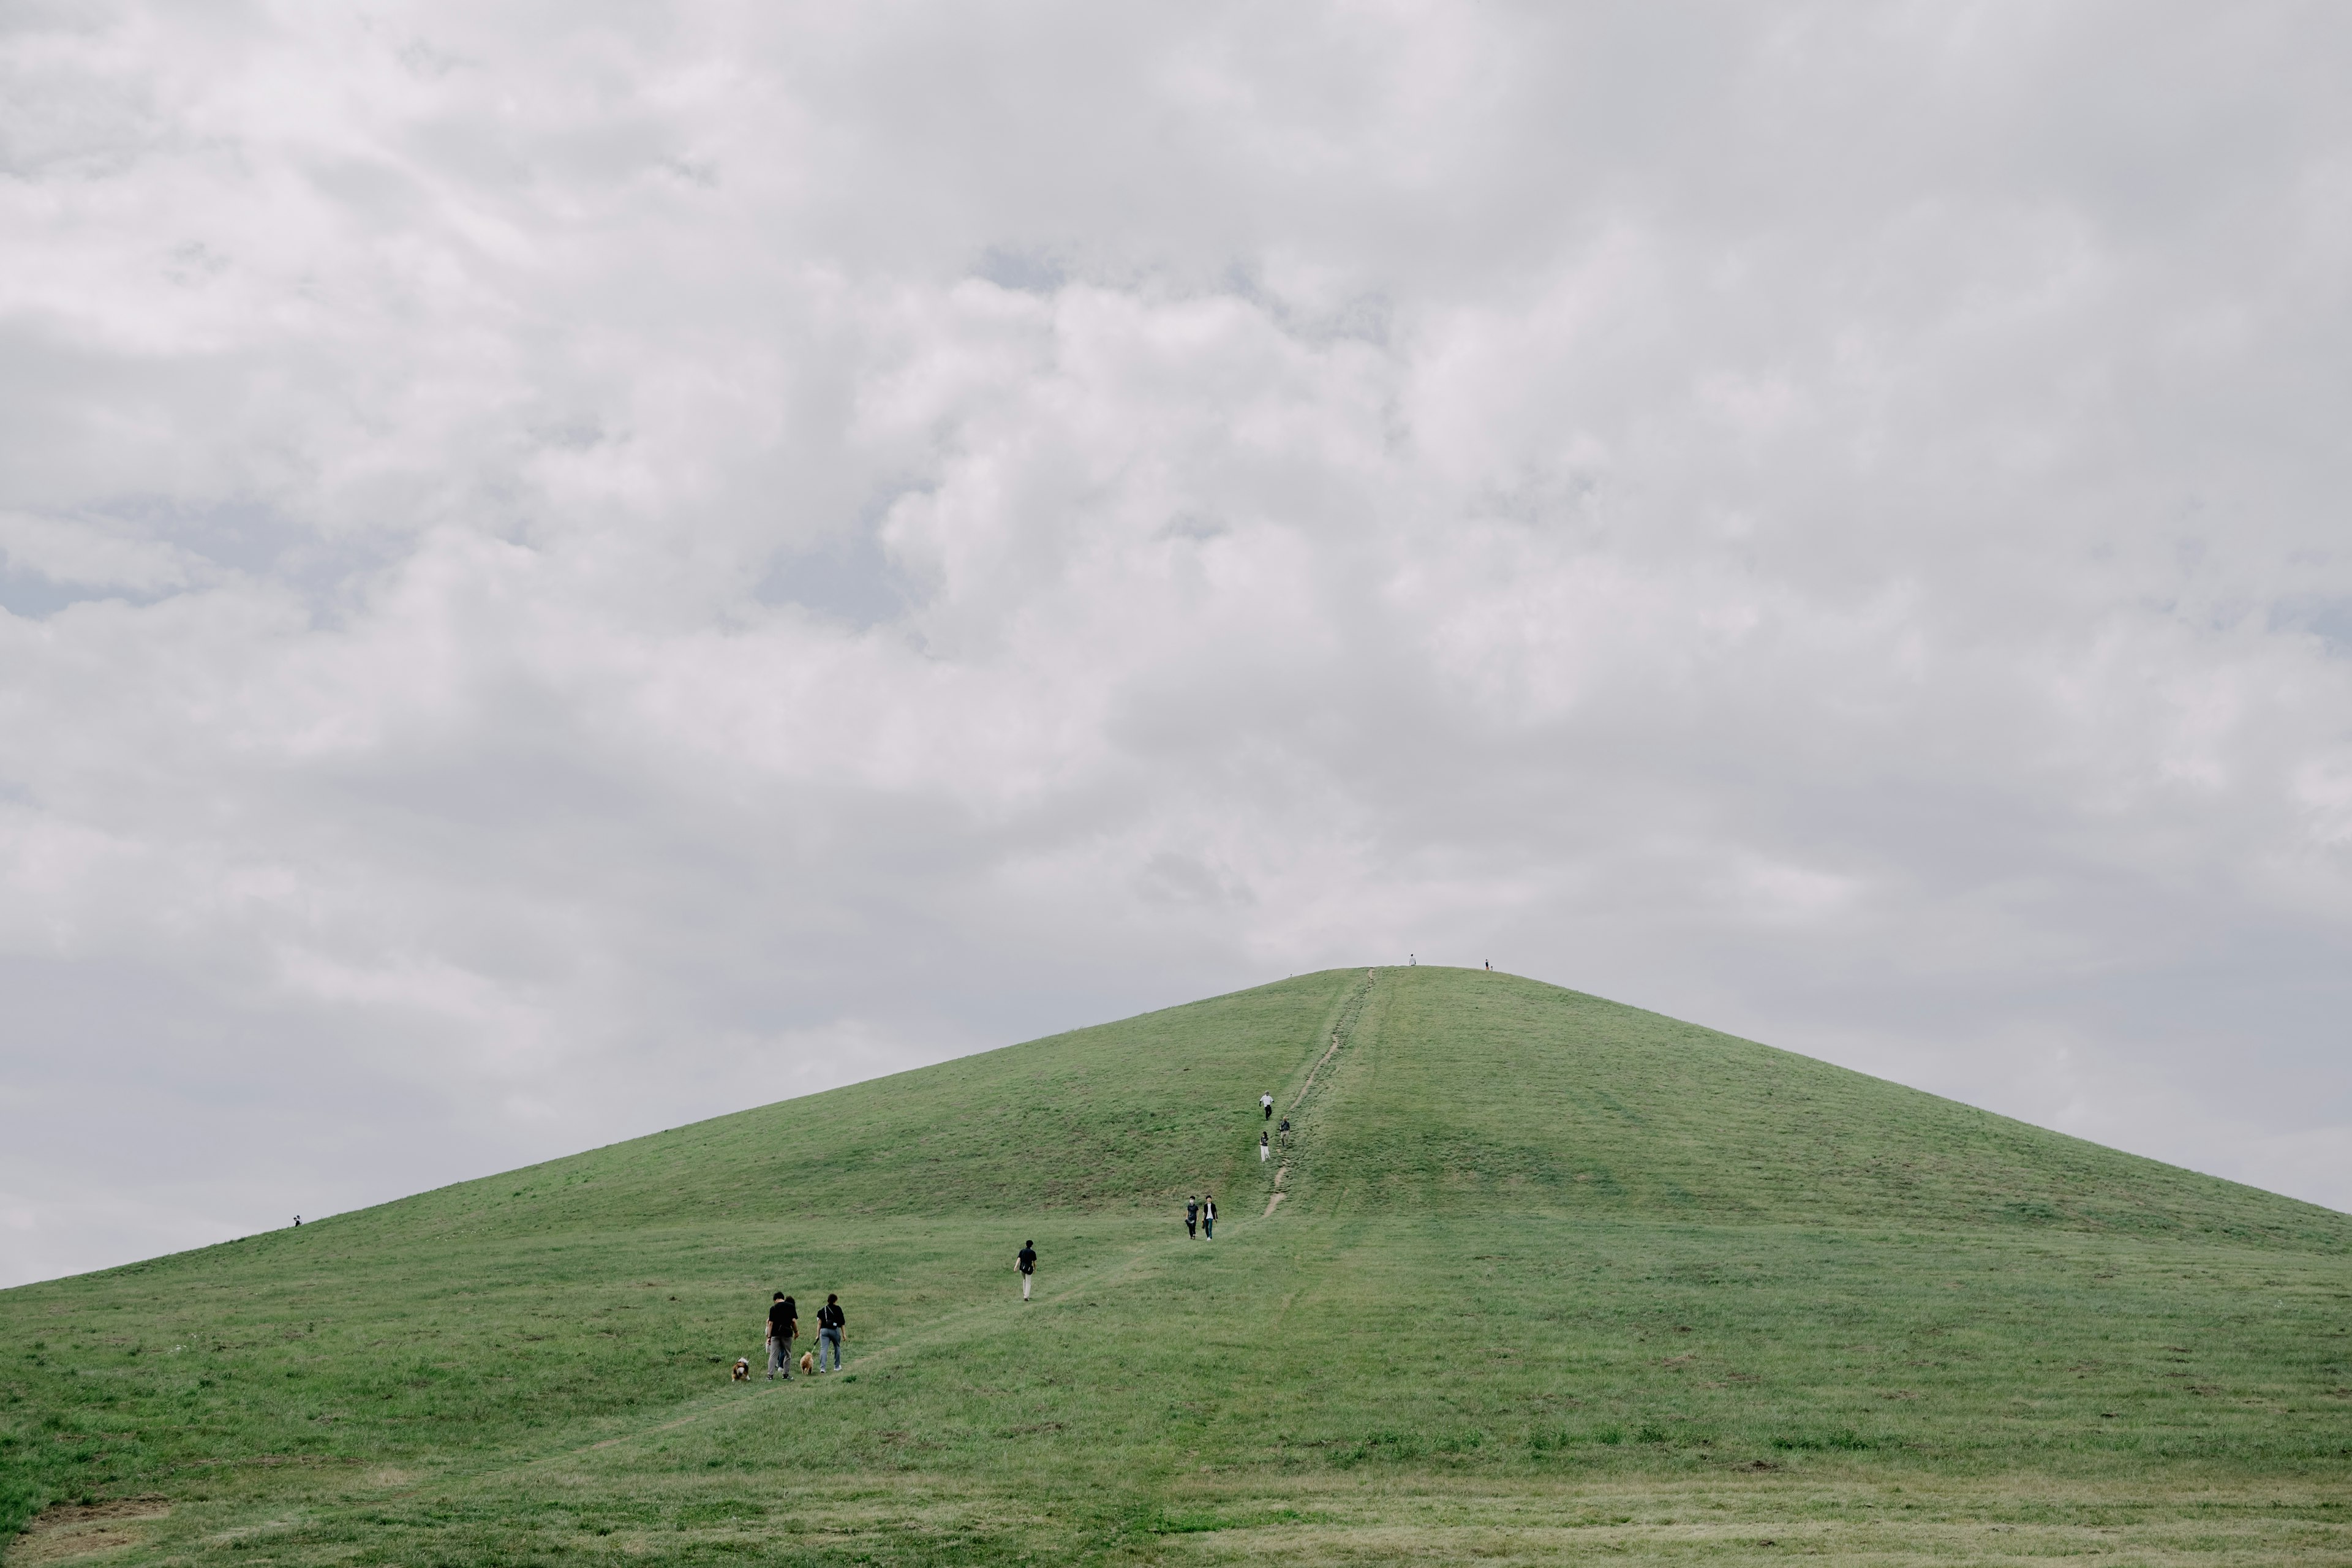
<point>570,567</point>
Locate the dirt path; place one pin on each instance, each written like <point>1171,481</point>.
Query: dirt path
<point>717,1403</point>
<point>1340,1033</point>
<point>727,1400</point>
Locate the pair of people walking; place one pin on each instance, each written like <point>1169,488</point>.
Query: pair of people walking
<point>1202,1212</point>
<point>784,1327</point>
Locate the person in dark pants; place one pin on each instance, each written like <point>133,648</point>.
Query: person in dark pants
<point>1192,1217</point>
<point>1209,1216</point>
<point>1027,1260</point>
<point>1266,1101</point>
<point>782,1325</point>
<point>830,1320</point>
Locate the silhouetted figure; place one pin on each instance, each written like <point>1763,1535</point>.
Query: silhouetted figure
<point>1027,1261</point>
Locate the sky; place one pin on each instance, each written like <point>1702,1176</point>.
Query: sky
<point>568,568</point>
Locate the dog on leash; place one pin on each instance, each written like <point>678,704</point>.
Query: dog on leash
<point>743,1369</point>
<point>808,1362</point>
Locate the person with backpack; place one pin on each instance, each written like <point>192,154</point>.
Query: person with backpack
<point>1026,1260</point>
<point>830,1320</point>
<point>1209,1216</point>
<point>1192,1217</point>
<point>782,1325</point>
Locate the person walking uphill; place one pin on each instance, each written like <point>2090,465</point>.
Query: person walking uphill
<point>829,1321</point>
<point>1209,1216</point>
<point>1027,1259</point>
<point>782,1326</point>
<point>1267,1101</point>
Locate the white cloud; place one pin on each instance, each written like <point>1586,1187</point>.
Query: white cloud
<point>550,557</point>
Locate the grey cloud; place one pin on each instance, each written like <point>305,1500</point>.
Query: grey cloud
<point>569,575</point>
<point>1033,272</point>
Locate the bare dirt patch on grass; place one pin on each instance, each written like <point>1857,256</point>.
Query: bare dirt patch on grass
<point>77,1530</point>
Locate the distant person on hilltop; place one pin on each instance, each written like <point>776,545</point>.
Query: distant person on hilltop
<point>830,1320</point>
<point>1268,1101</point>
<point>783,1323</point>
<point>1209,1217</point>
<point>1193,1216</point>
<point>1263,1152</point>
<point>1027,1261</point>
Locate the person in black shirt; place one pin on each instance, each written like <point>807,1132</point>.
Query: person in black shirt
<point>1193,1216</point>
<point>1027,1259</point>
<point>782,1326</point>
<point>829,1323</point>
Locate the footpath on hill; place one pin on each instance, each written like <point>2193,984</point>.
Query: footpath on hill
<point>975,1319</point>
<point>1295,1113</point>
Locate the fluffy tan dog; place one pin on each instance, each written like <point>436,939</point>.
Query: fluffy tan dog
<point>808,1362</point>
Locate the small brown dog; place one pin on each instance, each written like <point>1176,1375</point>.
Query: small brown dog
<point>808,1362</point>
<point>743,1369</point>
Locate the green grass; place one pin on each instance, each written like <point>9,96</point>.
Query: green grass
<point>1552,1278</point>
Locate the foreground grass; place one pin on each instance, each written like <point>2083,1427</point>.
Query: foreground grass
<point>1443,1345</point>
<point>1314,1380</point>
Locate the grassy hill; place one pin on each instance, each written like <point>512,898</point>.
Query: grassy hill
<point>1549,1276</point>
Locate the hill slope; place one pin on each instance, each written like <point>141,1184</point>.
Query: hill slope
<point>1486,1091</point>
<point>1531,1243</point>
<point>1492,1091</point>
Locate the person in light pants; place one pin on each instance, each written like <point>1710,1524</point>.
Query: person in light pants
<point>830,1320</point>
<point>1027,1260</point>
<point>1263,1153</point>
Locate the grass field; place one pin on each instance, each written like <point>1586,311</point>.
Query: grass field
<point>1552,1278</point>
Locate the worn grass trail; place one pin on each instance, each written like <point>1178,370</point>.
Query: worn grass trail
<point>1552,1278</point>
